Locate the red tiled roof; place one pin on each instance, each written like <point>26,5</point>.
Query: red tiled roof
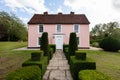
<point>59,19</point>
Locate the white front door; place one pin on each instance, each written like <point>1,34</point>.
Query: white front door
<point>59,41</point>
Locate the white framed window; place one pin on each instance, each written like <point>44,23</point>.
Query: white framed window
<point>78,41</point>
<point>40,28</point>
<point>59,28</point>
<point>76,28</point>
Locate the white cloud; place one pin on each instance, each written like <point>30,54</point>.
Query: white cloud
<point>97,11</point>
<point>116,4</point>
<point>59,9</point>
<point>31,6</point>
<point>24,19</point>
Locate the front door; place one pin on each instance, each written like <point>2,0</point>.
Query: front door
<point>59,41</point>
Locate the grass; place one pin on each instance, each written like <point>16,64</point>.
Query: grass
<point>92,75</point>
<point>11,59</point>
<point>106,62</point>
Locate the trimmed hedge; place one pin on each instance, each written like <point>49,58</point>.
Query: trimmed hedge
<point>65,46</point>
<point>73,45</point>
<point>78,65</point>
<point>42,63</point>
<point>53,46</point>
<point>80,55</point>
<point>51,53</point>
<point>110,44</point>
<point>37,55</point>
<point>25,73</point>
<point>44,44</point>
<point>92,75</point>
<point>65,50</point>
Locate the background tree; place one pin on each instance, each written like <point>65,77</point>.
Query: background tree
<point>12,28</point>
<point>100,31</point>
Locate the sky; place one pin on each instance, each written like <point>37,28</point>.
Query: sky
<point>97,11</point>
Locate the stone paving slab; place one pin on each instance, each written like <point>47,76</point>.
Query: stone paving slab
<point>58,68</point>
<point>57,75</point>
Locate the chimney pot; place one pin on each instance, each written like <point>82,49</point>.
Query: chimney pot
<point>59,13</point>
<point>72,13</point>
<point>45,13</point>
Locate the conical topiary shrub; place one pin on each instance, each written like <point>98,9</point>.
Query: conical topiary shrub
<point>73,45</point>
<point>44,44</point>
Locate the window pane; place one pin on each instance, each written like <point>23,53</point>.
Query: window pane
<point>76,28</point>
<point>40,28</point>
<point>78,40</point>
<point>39,41</point>
<point>58,27</point>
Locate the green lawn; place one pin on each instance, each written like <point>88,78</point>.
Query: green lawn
<point>107,62</point>
<point>11,59</point>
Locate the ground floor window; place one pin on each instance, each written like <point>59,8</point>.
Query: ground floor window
<point>40,28</point>
<point>78,40</point>
<point>39,41</point>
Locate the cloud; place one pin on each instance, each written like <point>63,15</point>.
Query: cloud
<point>116,4</point>
<point>30,6</point>
<point>79,4</point>
<point>24,19</point>
<point>59,9</point>
<point>97,11</point>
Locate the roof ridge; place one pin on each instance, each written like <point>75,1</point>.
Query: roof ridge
<point>59,18</point>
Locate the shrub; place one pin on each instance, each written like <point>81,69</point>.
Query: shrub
<point>73,45</point>
<point>80,55</point>
<point>65,50</point>
<point>95,44</point>
<point>51,53</point>
<point>92,75</point>
<point>64,47</point>
<point>37,55</point>
<point>53,46</point>
<point>25,73</point>
<point>78,65</point>
<point>44,44</point>
<point>110,44</point>
<point>42,63</point>
<point>66,53</point>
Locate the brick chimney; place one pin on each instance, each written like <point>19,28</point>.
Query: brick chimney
<point>71,13</point>
<point>59,13</point>
<point>45,13</point>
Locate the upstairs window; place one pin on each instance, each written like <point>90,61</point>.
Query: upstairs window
<point>76,28</point>
<point>58,28</point>
<point>40,28</point>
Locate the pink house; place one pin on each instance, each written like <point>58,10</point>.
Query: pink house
<point>59,26</point>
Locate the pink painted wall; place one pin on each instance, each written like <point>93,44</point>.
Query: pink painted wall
<point>84,36</point>
<point>33,34</point>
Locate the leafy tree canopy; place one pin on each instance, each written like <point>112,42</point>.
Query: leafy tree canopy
<point>11,28</point>
<point>100,31</point>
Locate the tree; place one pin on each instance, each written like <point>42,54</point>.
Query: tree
<point>44,44</point>
<point>73,45</point>
<point>13,27</point>
<point>100,31</point>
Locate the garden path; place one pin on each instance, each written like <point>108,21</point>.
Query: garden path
<point>58,68</point>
